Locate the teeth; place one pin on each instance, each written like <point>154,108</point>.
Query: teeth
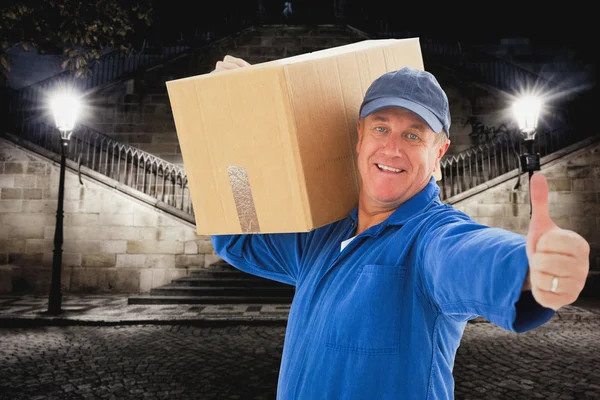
<point>386,168</point>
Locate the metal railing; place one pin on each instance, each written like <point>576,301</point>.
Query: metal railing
<point>26,114</point>
<point>125,164</point>
<point>168,182</point>
<point>496,157</point>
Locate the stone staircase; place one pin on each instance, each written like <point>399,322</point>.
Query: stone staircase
<point>220,283</point>
<point>137,113</point>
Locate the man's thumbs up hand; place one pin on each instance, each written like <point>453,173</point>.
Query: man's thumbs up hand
<point>540,223</point>
<point>558,258</point>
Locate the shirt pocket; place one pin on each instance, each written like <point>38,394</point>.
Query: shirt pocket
<point>365,319</point>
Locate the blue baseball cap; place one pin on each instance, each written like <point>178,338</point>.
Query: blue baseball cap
<point>415,90</point>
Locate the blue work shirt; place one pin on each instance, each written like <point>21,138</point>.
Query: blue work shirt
<point>383,318</point>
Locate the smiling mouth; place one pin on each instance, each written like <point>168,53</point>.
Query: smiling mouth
<point>385,168</point>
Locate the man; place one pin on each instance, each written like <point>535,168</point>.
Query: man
<point>383,296</point>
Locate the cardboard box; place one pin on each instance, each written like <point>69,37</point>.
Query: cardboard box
<point>272,147</point>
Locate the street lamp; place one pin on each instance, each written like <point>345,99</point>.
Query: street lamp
<point>527,111</point>
<point>65,108</point>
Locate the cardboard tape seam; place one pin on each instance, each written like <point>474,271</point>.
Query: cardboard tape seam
<point>242,196</point>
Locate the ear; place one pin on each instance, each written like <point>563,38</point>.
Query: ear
<point>437,171</point>
<point>442,150</point>
<point>359,129</point>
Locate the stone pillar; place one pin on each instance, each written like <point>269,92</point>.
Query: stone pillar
<point>261,10</point>
<point>339,9</point>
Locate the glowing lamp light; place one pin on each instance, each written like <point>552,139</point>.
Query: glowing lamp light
<point>65,108</point>
<point>527,112</point>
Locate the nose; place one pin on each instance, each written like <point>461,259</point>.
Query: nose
<point>392,144</point>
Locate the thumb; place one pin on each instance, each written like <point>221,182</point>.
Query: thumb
<point>540,216</point>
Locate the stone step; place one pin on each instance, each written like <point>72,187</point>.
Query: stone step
<point>223,291</point>
<point>164,300</point>
<point>209,273</point>
<point>220,283</point>
<point>241,281</point>
<point>222,265</point>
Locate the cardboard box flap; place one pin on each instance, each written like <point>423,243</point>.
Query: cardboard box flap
<point>207,116</point>
<point>335,51</point>
<point>337,84</point>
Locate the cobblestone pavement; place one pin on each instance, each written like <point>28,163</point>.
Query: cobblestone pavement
<point>115,309</point>
<point>560,360</point>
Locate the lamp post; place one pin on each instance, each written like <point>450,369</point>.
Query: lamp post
<point>65,108</point>
<point>527,111</point>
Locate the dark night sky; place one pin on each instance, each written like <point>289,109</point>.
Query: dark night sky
<point>570,24</point>
<point>545,22</point>
<point>482,22</point>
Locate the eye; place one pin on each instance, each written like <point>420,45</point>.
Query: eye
<point>412,136</point>
<point>381,129</point>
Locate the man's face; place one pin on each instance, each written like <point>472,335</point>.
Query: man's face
<point>395,138</point>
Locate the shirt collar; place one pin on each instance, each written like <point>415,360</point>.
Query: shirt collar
<point>414,206</point>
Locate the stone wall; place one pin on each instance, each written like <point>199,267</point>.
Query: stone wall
<point>468,101</point>
<point>574,198</point>
<point>115,243</point>
<point>112,242</point>
<point>138,112</point>
<point>29,67</point>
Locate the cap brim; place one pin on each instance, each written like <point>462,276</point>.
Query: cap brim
<point>384,102</point>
